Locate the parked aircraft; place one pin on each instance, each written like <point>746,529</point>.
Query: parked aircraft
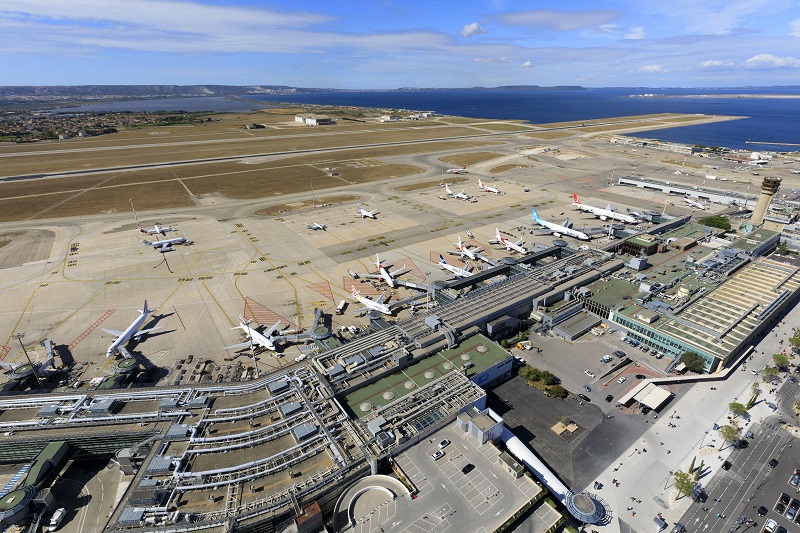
<point>692,203</point>
<point>376,305</point>
<point>121,338</point>
<point>460,272</point>
<point>602,214</point>
<point>385,275</point>
<point>557,229</point>
<point>464,250</point>
<point>156,228</point>
<point>516,246</point>
<point>363,213</point>
<point>315,226</point>
<point>487,188</point>
<point>165,245</point>
<point>462,170</point>
<point>265,340</point>
<point>793,171</point>
<point>459,196</point>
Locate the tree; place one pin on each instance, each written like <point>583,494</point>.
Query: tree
<point>769,373</point>
<point>684,483</point>
<point>729,434</point>
<point>716,221</point>
<point>781,361</point>
<point>795,342</point>
<point>557,391</point>
<point>693,362</point>
<point>737,409</point>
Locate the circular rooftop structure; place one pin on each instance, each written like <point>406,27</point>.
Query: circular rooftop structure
<point>128,364</point>
<point>14,505</point>
<point>22,371</point>
<point>561,243</point>
<point>429,374</point>
<point>588,508</point>
<point>481,348</point>
<point>409,384</point>
<point>465,357</point>
<point>448,366</point>
<point>365,407</point>
<point>373,314</point>
<point>439,284</point>
<point>320,333</point>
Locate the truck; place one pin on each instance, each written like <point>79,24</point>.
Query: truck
<point>341,307</point>
<point>525,345</point>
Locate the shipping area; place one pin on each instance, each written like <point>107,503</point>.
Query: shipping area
<point>282,320</point>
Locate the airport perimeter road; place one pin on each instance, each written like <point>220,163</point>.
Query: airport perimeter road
<point>749,484</point>
<point>647,475</point>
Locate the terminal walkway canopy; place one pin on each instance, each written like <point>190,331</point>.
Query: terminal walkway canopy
<point>648,394</point>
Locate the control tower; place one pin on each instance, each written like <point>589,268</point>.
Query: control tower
<point>769,187</point>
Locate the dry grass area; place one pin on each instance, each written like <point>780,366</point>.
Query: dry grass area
<point>6,238</point>
<point>426,184</point>
<point>280,209</point>
<point>688,164</point>
<point>469,159</point>
<point>503,168</point>
<point>550,134</point>
<point>502,126</point>
<point>610,119</point>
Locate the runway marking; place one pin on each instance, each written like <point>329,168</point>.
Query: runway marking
<point>5,351</point>
<point>323,288</point>
<point>91,328</point>
<point>261,314</point>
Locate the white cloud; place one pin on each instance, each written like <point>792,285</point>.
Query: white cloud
<point>526,64</point>
<point>769,61</point>
<point>712,64</point>
<point>636,32</point>
<point>650,69</point>
<point>491,60</point>
<point>795,25</point>
<point>560,19</point>
<point>472,29</point>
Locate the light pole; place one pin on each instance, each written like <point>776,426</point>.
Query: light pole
<point>19,336</point>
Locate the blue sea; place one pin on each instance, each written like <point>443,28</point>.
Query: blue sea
<point>771,120</point>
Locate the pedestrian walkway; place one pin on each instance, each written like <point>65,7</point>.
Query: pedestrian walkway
<point>13,483</point>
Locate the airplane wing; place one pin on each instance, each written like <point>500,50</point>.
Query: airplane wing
<point>145,332</point>
<point>124,351</point>
<point>240,345</point>
<point>271,330</point>
<point>380,298</point>
<point>399,271</point>
<point>113,332</point>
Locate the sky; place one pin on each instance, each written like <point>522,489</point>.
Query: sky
<point>386,44</point>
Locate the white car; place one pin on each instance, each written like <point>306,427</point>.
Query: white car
<point>621,379</point>
<point>589,373</point>
<point>770,526</point>
<point>56,519</point>
<point>437,455</point>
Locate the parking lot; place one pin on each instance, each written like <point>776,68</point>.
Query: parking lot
<point>477,498</point>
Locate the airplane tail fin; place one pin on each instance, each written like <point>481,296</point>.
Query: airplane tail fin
<point>146,310</point>
<point>575,199</point>
<point>534,214</point>
<point>148,243</point>
<point>354,291</point>
<point>441,260</point>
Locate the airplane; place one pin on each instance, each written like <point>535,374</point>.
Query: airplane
<point>384,274</point>
<point>487,188</point>
<point>156,228</point>
<point>793,171</point>
<point>459,196</point>
<point>265,340</point>
<point>376,305</point>
<point>558,230</point>
<point>165,245</point>
<point>692,203</point>
<point>462,170</point>
<point>458,272</point>
<point>363,213</point>
<point>602,214</point>
<point>315,226</point>
<point>121,338</point>
<point>463,250</point>
<point>516,246</point>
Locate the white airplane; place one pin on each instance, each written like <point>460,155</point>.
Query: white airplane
<point>793,171</point>
<point>692,203</point>
<point>462,170</point>
<point>516,246</point>
<point>363,213</point>
<point>558,230</point>
<point>459,196</point>
<point>121,338</point>
<point>156,228</point>
<point>265,340</point>
<point>384,274</point>
<point>459,272</point>
<point>602,214</point>
<point>465,251</point>
<point>165,245</point>
<point>315,226</point>
<point>487,188</point>
<point>376,305</point>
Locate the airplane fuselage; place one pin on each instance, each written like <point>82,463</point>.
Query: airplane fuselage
<point>557,229</point>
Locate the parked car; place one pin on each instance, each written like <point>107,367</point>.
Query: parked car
<point>791,511</point>
<point>589,373</point>
<point>795,479</point>
<point>762,511</point>
<point>740,444</point>
<point>780,508</point>
<point>772,462</point>
<point>641,376</point>
<point>645,410</point>
<point>726,465</point>
<point>467,469</point>
<point>619,353</point>
<point>621,379</point>
<point>770,526</point>
<point>784,499</point>
<point>56,519</point>
<point>584,398</point>
<point>438,454</point>
<point>587,388</point>
<point>609,397</point>
<point>444,444</point>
